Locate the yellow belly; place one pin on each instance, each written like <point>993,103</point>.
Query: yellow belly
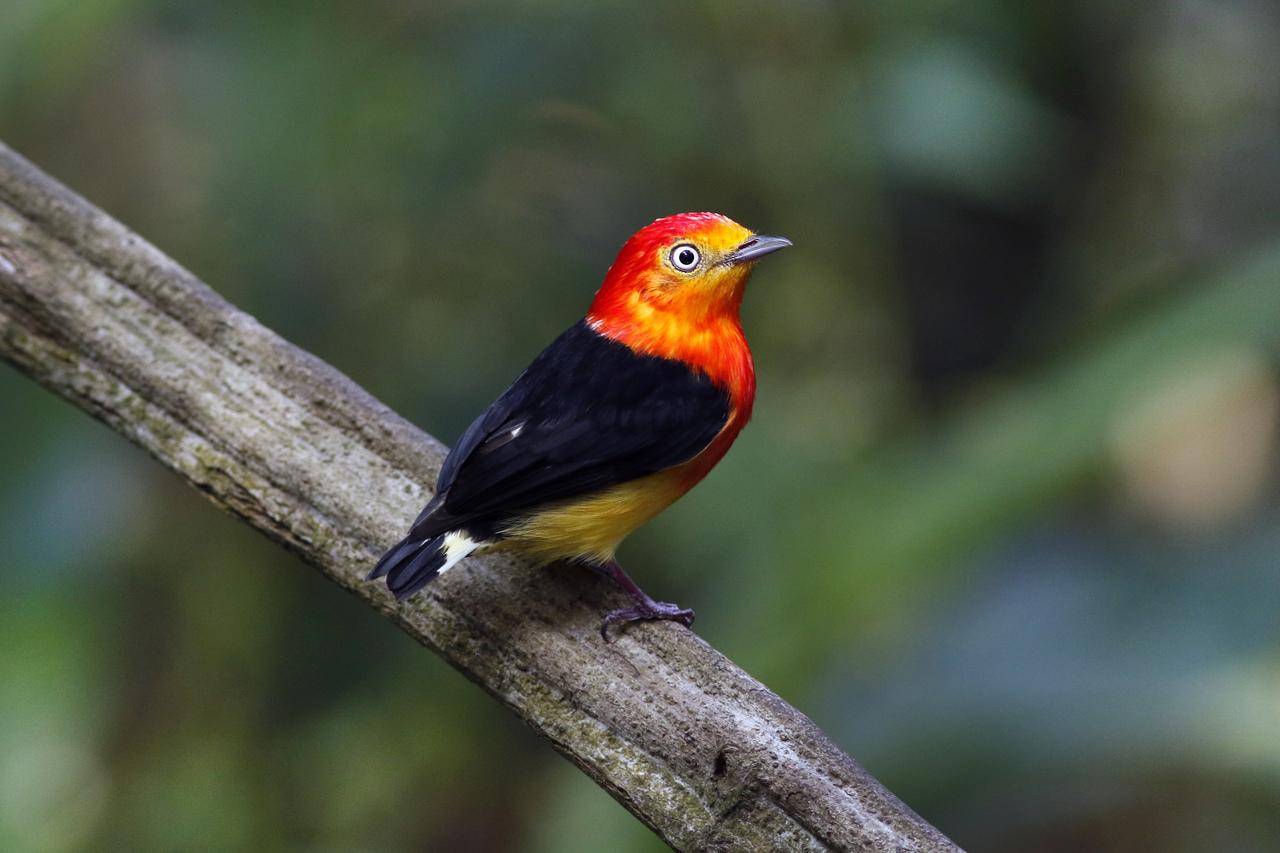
<point>593,527</point>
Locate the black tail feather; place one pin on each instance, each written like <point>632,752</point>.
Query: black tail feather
<point>410,565</point>
<point>394,555</point>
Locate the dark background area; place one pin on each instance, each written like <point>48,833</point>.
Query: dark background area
<point>1007,523</point>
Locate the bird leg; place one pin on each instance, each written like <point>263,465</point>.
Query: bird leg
<point>645,607</point>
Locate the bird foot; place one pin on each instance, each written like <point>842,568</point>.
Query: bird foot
<point>645,611</point>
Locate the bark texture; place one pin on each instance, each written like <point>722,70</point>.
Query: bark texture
<point>688,742</point>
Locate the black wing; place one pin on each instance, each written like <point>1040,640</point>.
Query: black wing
<point>588,413</point>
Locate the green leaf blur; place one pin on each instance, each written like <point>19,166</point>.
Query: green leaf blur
<point>1007,523</point>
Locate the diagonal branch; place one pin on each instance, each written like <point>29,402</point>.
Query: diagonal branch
<point>688,742</point>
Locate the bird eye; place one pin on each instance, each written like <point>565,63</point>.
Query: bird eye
<point>685,257</point>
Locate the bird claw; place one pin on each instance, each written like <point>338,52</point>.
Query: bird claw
<point>645,612</point>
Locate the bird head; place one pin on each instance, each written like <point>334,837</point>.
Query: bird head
<point>674,291</point>
<point>687,269</point>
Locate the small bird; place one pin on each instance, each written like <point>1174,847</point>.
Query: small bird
<point>621,415</point>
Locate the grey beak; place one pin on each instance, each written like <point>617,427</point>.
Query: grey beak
<point>757,247</point>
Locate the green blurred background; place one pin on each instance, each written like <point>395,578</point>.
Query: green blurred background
<point>1007,523</point>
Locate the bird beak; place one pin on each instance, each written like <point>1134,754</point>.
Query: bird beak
<point>757,247</point>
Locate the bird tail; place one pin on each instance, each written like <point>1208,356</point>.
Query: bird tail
<point>412,563</point>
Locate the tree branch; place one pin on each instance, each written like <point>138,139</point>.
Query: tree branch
<point>688,742</point>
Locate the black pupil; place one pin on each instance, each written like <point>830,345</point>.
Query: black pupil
<point>685,256</point>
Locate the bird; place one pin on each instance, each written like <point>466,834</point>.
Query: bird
<point>616,419</point>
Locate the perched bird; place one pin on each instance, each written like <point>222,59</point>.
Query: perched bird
<point>616,419</point>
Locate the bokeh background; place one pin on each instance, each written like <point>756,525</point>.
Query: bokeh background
<point>1007,523</point>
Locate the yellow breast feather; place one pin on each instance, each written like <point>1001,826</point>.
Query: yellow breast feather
<point>592,527</point>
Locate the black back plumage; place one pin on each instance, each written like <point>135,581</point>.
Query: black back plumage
<point>587,414</point>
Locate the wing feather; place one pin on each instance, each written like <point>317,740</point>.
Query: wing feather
<point>588,413</point>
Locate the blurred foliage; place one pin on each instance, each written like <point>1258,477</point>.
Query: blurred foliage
<point>1007,523</point>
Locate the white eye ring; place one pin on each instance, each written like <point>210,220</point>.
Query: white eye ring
<point>685,257</point>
